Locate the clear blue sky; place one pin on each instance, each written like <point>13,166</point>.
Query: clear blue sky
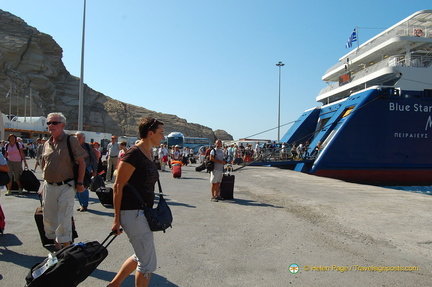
<point>211,62</point>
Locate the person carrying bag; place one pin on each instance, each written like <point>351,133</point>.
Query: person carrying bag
<point>137,169</point>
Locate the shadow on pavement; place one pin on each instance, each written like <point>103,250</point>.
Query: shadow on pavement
<point>19,259</point>
<point>155,280</point>
<point>9,240</point>
<point>250,203</point>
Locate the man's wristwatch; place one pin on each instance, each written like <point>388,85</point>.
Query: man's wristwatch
<point>79,183</point>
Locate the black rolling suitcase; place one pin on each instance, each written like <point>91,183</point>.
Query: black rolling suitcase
<point>2,221</point>
<point>40,226</point>
<point>105,195</point>
<point>69,266</point>
<point>227,186</point>
<point>29,180</point>
<point>158,164</point>
<point>96,182</point>
<point>14,185</point>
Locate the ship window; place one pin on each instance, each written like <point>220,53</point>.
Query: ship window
<point>322,123</point>
<point>347,111</point>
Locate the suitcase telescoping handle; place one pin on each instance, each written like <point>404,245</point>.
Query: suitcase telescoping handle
<point>103,245</point>
<point>113,234</point>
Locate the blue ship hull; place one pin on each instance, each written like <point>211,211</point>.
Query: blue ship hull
<point>378,136</point>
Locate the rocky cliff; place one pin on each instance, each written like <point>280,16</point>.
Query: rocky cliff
<point>31,60</point>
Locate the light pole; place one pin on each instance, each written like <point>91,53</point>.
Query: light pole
<point>30,101</point>
<point>9,94</point>
<point>81,83</point>
<point>25,108</point>
<point>280,65</point>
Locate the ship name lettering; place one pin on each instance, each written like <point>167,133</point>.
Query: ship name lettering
<point>422,108</point>
<point>396,107</point>
<point>428,123</point>
<point>399,108</point>
<point>411,135</point>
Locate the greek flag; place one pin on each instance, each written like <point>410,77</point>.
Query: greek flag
<point>351,39</point>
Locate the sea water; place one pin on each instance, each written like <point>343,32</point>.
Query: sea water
<point>416,189</point>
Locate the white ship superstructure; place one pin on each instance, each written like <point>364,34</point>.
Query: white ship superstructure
<point>401,56</point>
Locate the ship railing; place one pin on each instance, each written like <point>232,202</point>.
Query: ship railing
<point>416,61</point>
<point>277,155</point>
<point>401,31</point>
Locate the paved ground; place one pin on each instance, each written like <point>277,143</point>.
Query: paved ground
<point>333,230</point>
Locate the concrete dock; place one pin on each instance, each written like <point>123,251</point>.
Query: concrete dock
<point>337,233</point>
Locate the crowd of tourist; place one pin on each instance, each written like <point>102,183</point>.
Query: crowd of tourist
<point>65,161</point>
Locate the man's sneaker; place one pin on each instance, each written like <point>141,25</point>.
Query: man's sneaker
<point>8,192</point>
<point>20,190</point>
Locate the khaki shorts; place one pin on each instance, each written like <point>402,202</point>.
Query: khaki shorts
<point>15,168</point>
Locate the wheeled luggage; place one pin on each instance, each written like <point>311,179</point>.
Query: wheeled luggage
<point>176,170</point>
<point>69,266</point>
<point>158,165</point>
<point>14,185</point>
<point>2,220</point>
<point>96,182</point>
<point>105,195</point>
<point>40,226</point>
<point>227,186</point>
<point>29,181</point>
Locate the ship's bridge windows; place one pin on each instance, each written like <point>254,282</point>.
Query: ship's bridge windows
<point>390,92</point>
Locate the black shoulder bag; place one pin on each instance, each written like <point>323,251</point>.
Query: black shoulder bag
<point>159,218</point>
<point>208,163</point>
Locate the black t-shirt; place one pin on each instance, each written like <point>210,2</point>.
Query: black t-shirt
<point>143,179</point>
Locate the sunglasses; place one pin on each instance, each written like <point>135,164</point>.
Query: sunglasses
<point>152,124</point>
<point>53,123</point>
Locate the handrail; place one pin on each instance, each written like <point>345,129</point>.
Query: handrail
<point>416,61</point>
<point>405,31</point>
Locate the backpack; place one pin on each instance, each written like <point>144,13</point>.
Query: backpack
<point>7,147</point>
<point>17,144</point>
<point>208,163</point>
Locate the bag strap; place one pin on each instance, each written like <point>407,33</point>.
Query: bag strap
<point>137,195</point>
<point>159,186</point>
<point>70,150</point>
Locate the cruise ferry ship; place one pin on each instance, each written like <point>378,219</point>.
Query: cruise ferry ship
<point>375,122</point>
